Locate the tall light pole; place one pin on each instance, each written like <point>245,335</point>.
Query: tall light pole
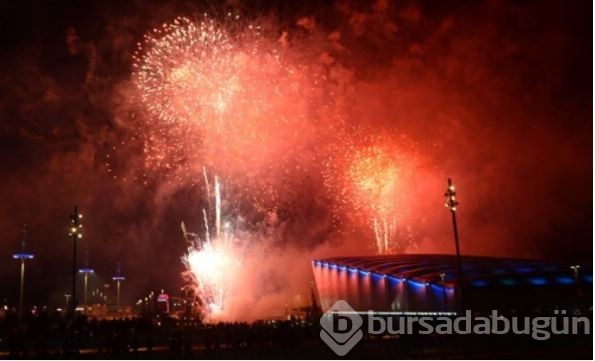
<point>451,204</point>
<point>85,271</point>
<point>22,256</point>
<point>118,278</point>
<point>575,269</point>
<point>75,233</point>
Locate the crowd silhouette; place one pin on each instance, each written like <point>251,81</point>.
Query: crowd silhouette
<point>53,335</point>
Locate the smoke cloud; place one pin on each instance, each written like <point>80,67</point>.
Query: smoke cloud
<point>494,94</point>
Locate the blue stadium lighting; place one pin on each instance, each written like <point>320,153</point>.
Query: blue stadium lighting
<point>537,281</point>
<point>22,256</point>
<point>394,279</point>
<point>436,286</point>
<point>86,270</point>
<point>378,275</point>
<point>417,284</point>
<point>565,280</point>
<point>432,282</point>
<point>118,278</point>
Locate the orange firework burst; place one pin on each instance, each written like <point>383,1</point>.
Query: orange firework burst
<point>183,70</point>
<point>370,176</point>
<point>222,94</point>
<point>212,261</point>
<point>374,174</point>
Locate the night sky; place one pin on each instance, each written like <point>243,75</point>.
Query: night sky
<point>495,94</point>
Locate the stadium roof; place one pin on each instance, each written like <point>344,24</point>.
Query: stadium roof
<point>478,271</point>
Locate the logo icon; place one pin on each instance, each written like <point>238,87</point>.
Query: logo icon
<point>341,328</point>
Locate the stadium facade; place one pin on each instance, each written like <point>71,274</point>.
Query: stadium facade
<point>428,283</point>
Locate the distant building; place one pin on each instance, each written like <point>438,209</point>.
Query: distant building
<point>163,303</point>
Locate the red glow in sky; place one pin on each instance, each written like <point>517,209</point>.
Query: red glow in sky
<point>490,93</point>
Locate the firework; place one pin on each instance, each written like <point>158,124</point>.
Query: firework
<point>183,69</point>
<point>374,174</point>
<point>209,266</point>
<point>220,92</point>
<point>210,261</point>
<point>370,177</point>
<point>374,177</point>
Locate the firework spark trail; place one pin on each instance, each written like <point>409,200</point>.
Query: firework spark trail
<point>210,262</point>
<point>206,224</point>
<point>217,208</point>
<point>384,233</point>
<point>366,175</point>
<point>207,185</point>
<point>375,176</point>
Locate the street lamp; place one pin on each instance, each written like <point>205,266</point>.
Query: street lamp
<point>67,297</point>
<point>451,204</point>
<point>85,271</point>
<point>22,256</point>
<point>75,233</point>
<point>575,269</point>
<point>118,278</point>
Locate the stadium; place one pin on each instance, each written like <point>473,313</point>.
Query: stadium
<point>416,283</point>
